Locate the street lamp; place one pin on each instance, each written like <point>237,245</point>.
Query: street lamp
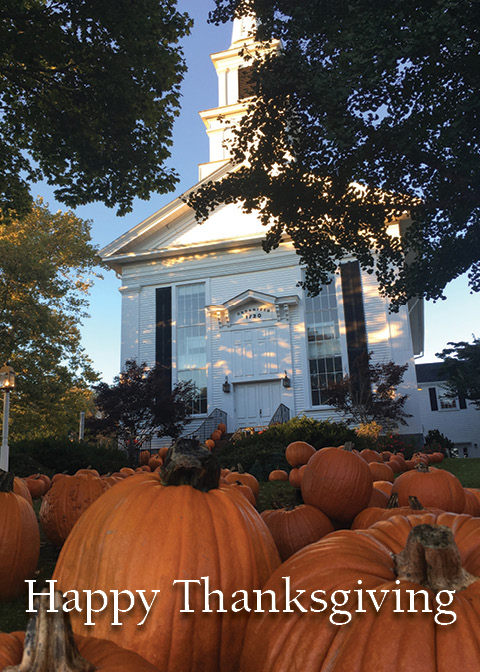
<point>7,383</point>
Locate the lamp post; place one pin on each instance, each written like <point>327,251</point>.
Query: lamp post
<point>7,383</point>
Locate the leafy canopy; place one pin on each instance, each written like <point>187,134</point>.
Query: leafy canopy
<point>369,111</point>
<point>47,265</point>
<point>88,94</point>
<point>140,403</point>
<point>461,368</point>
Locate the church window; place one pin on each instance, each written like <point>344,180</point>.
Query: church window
<point>191,341</point>
<point>323,337</point>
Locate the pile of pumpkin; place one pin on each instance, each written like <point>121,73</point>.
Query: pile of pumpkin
<point>191,521</point>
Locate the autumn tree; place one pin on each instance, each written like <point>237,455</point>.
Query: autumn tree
<point>461,369</point>
<point>47,265</point>
<point>88,95</point>
<point>369,393</point>
<point>369,111</point>
<point>141,404</point>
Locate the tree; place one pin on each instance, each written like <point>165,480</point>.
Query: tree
<point>375,113</point>
<point>88,95</point>
<point>140,403</point>
<point>369,393</point>
<point>47,264</point>
<point>461,368</point>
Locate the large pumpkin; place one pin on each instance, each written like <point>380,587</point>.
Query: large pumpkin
<point>433,487</point>
<point>49,646</point>
<point>298,453</point>
<point>344,635</point>
<point>19,540</point>
<point>146,533</point>
<point>65,502</point>
<point>296,527</point>
<point>338,482</point>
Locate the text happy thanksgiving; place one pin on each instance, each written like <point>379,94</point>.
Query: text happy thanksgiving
<point>120,602</point>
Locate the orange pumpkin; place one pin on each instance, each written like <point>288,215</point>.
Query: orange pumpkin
<point>205,531</point>
<point>295,528</point>
<point>433,487</point>
<point>19,540</point>
<point>298,453</point>
<point>295,476</point>
<point>337,482</point>
<point>65,502</point>
<point>247,479</point>
<point>423,553</point>
<point>381,471</point>
<point>278,475</point>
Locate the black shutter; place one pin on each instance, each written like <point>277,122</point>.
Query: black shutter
<point>433,398</point>
<point>354,312</point>
<point>163,329</point>
<point>462,402</point>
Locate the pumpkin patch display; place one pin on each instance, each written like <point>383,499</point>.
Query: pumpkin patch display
<point>154,532</point>
<point>19,540</point>
<point>402,596</point>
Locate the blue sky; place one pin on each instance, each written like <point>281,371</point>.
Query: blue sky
<point>455,319</point>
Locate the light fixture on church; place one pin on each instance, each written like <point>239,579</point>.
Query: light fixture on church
<point>286,380</point>
<point>226,386</point>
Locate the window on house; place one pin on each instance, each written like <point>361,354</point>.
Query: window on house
<point>191,341</point>
<point>447,403</point>
<point>323,336</point>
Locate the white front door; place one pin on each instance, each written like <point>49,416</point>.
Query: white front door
<point>255,403</point>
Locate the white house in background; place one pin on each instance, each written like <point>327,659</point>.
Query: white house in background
<point>206,301</point>
<point>457,418</point>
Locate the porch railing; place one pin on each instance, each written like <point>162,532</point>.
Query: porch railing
<point>203,431</point>
<point>281,415</point>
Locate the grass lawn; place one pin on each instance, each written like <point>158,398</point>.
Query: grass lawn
<point>13,616</point>
<point>466,470</point>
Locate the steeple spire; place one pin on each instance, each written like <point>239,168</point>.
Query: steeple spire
<point>243,29</point>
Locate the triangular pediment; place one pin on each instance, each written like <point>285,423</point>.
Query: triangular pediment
<point>174,230</point>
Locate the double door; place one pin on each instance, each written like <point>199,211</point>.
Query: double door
<point>255,403</point>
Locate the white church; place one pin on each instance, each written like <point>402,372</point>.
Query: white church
<point>206,301</point>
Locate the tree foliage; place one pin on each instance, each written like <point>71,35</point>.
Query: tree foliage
<point>461,368</point>
<point>140,403</point>
<point>368,112</point>
<point>47,264</point>
<point>88,95</point>
<point>369,393</point>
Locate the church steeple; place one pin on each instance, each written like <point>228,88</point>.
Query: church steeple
<point>233,92</point>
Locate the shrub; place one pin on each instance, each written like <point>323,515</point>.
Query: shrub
<point>57,455</point>
<point>436,442</point>
<point>265,451</point>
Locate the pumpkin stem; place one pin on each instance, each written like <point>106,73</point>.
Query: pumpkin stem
<point>6,481</point>
<point>432,559</point>
<point>348,445</point>
<point>421,466</point>
<point>393,501</point>
<point>49,642</point>
<point>188,462</point>
<point>415,504</point>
